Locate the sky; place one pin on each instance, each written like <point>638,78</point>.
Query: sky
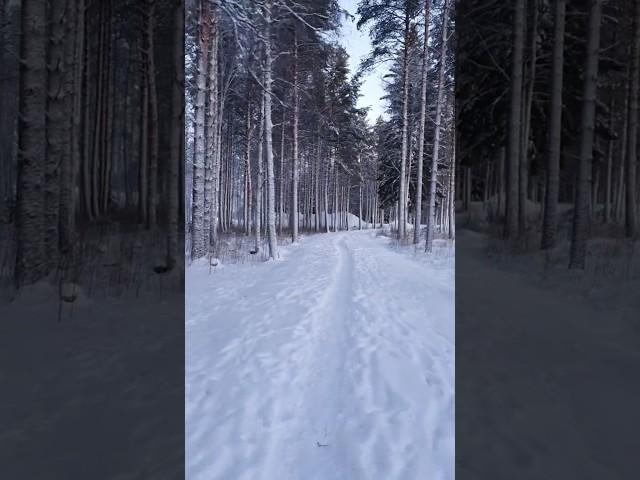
<point>357,45</point>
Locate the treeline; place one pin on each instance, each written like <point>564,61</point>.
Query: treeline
<point>275,140</point>
<point>547,116</point>
<point>92,124</point>
<point>415,146</point>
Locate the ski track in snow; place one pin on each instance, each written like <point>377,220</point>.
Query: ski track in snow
<point>335,363</point>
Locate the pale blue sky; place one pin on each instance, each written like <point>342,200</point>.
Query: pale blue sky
<point>357,45</point>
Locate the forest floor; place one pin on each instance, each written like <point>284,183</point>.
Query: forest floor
<point>530,342</point>
<point>99,364</point>
<point>334,362</point>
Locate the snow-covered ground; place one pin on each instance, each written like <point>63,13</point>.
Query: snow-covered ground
<point>93,388</point>
<point>336,362</point>
<point>540,365</point>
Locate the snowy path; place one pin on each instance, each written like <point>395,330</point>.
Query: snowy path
<point>335,363</point>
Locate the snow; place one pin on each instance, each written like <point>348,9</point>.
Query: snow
<point>541,364</point>
<point>91,388</point>
<point>336,362</point>
<point>352,220</point>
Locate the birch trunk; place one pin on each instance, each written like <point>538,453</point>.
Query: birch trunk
<point>405,127</point>
<point>259,180</point>
<point>295,160</point>
<point>271,188</point>
<point>247,175</point>
<point>281,199</point>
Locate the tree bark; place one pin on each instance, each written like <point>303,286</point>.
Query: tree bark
<point>295,160</point>
<point>30,258</point>
<point>259,180</point>
<point>405,126</point>
<point>57,120</point>
<point>423,122</point>
<point>580,231</point>
<point>271,193</point>
<point>198,244</point>
<point>431,218</point>
<point>153,121</point>
<point>550,220</point>
<point>631,225</point>
<point>515,120</point>
<point>609,171</point>
<point>176,159</point>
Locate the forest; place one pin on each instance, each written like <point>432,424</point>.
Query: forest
<point>91,143</point>
<point>276,143</point>
<point>547,120</point>
<point>319,239</point>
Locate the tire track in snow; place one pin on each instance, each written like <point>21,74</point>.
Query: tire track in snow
<point>316,448</point>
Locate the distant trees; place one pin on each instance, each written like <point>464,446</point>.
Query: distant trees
<point>429,114</point>
<point>291,129</point>
<point>393,34</point>
<point>295,151</point>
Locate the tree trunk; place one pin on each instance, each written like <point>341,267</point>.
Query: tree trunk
<point>98,131</point>
<point>75,42</point>
<point>281,199</point>
<point>405,125</point>
<point>153,121</point>
<point>143,174</point>
<point>57,120</point>
<point>515,120</point>
<point>271,187</point>
<point>433,181</point>
<point>247,174</point>
<point>108,101</point>
<point>608,180</point>
<point>550,220</point>
<point>581,211</point>
<point>326,192</point>
<point>211,195</point>
<point>198,245</point>
<point>423,122</point>
<point>259,180</point>
<point>631,226</point>
<point>526,122</point>
<point>295,166</point>
<point>176,158</point>
<point>31,144</point>
<point>73,53</point>
<point>452,196</point>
